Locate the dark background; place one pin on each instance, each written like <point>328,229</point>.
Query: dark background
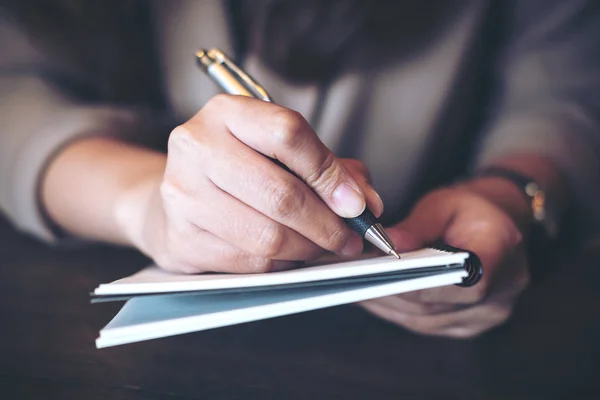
<point>549,349</point>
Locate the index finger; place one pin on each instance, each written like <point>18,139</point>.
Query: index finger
<point>285,135</point>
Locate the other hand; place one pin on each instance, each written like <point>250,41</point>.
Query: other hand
<point>464,217</point>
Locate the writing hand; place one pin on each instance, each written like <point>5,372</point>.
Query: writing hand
<point>222,206</point>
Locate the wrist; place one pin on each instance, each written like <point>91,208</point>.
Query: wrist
<point>506,196</point>
<point>136,207</point>
<point>528,187</point>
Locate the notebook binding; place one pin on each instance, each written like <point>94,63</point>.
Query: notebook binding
<point>473,264</point>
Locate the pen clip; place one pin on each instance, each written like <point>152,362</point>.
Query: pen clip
<point>219,57</point>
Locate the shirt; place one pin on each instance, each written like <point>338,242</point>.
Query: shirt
<point>502,78</point>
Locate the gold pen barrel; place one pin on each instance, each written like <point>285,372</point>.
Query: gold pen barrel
<point>221,75</point>
<point>229,76</point>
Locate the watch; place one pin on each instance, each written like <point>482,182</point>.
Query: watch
<point>543,209</point>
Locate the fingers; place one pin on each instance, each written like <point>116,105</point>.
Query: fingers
<point>236,223</point>
<point>360,173</point>
<point>219,184</point>
<point>401,304</point>
<point>262,186</point>
<point>466,221</point>
<point>503,266</point>
<point>193,250</point>
<point>284,135</point>
<point>460,322</point>
<point>404,240</point>
<point>445,317</point>
<point>487,232</point>
<point>428,220</point>
<point>283,198</point>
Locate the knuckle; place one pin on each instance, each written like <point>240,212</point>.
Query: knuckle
<point>359,167</point>
<point>244,263</point>
<point>181,138</point>
<point>179,250</point>
<point>170,261</point>
<point>288,126</point>
<point>335,239</point>
<point>258,265</point>
<point>270,240</point>
<point>190,138</point>
<point>172,191</point>
<point>327,176</point>
<point>218,102</point>
<point>164,260</point>
<point>286,198</point>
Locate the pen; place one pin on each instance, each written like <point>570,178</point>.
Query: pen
<point>233,80</point>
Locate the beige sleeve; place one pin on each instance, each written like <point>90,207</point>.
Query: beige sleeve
<point>37,119</point>
<point>549,96</point>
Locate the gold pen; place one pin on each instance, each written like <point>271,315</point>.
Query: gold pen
<point>233,80</point>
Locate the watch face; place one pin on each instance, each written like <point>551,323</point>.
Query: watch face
<point>538,205</point>
<point>550,217</point>
<point>544,210</point>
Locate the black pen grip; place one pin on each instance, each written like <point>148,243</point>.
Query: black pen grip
<point>361,223</point>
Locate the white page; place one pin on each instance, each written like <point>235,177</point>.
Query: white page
<point>153,317</point>
<point>156,280</point>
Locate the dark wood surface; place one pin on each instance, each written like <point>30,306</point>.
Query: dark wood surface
<point>549,349</point>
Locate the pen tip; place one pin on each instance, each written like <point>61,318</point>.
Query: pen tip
<point>395,253</point>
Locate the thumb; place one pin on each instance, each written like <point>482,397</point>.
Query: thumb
<point>426,223</point>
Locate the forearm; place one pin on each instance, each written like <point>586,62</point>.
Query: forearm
<point>85,183</point>
<point>510,198</point>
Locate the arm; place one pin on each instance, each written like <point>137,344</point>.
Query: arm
<point>546,126</point>
<point>213,203</point>
<point>38,120</point>
<point>546,122</point>
<point>506,195</point>
<point>88,180</point>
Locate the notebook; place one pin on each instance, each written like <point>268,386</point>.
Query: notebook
<point>159,303</point>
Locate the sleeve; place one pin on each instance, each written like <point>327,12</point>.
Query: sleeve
<point>549,96</point>
<point>38,119</point>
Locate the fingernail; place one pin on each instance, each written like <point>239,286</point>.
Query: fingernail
<point>348,201</point>
<point>353,247</point>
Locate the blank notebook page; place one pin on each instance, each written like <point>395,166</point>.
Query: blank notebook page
<point>156,280</point>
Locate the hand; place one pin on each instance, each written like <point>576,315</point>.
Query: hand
<point>463,217</point>
<point>222,206</point>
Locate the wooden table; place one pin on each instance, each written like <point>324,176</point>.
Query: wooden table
<point>549,349</point>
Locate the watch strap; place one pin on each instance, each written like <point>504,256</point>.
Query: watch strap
<point>533,193</point>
